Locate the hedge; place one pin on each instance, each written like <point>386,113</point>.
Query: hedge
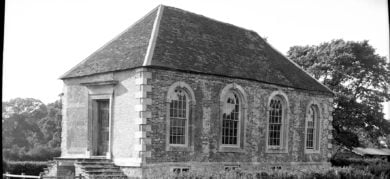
<point>375,166</point>
<point>26,167</point>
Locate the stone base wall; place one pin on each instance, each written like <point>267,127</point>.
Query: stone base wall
<point>208,168</point>
<point>133,172</point>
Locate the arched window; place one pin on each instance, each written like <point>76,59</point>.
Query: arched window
<point>312,128</point>
<point>178,115</point>
<point>275,122</point>
<point>231,119</point>
<point>277,129</point>
<point>233,110</point>
<point>180,101</point>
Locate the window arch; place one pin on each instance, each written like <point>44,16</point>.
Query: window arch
<point>231,119</point>
<point>178,115</point>
<point>277,121</point>
<point>233,110</point>
<point>312,127</point>
<point>180,100</point>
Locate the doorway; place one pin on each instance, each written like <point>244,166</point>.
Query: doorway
<point>101,127</point>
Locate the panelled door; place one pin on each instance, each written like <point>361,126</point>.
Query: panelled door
<point>103,127</point>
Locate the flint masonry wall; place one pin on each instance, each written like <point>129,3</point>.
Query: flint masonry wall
<point>206,122</point>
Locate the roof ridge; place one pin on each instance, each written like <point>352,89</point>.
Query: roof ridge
<point>212,19</point>
<point>153,36</point>
<point>109,42</point>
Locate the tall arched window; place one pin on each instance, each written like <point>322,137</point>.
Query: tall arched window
<point>277,129</point>
<point>233,111</point>
<point>275,122</point>
<point>180,102</point>
<point>231,119</point>
<point>178,115</point>
<point>312,128</point>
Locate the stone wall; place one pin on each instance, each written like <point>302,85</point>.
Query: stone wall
<point>205,123</point>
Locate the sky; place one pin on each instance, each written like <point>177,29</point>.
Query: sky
<point>45,38</point>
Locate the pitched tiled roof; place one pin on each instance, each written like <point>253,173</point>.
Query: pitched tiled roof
<point>186,41</point>
<point>123,52</point>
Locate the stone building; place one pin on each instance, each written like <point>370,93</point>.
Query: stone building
<point>180,91</point>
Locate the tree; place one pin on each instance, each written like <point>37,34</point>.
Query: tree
<point>31,130</point>
<point>360,79</point>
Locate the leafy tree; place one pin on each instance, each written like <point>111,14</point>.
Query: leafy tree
<point>360,79</point>
<point>31,130</point>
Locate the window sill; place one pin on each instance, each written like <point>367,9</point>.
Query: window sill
<point>231,149</point>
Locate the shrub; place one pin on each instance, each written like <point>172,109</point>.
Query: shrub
<point>26,167</point>
<point>379,169</point>
<point>374,166</point>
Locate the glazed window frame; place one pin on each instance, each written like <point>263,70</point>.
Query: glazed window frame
<point>275,122</point>
<point>315,107</point>
<point>230,90</point>
<point>283,140</point>
<point>178,119</point>
<point>231,123</point>
<point>174,89</point>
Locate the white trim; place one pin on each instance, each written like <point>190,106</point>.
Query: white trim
<point>317,127</point>
<point>283,147</point>
<point>237,89</point>
<point>153,37</point>
<point>181,84</point>
<point>190,96</point>
<point>186,125</point>
<point>92,98</point>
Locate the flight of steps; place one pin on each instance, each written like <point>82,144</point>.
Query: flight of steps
<point>99,169</point>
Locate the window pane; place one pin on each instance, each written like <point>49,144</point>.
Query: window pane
<point>310,128</point>
<point>178,118</point>
<point>230,119</point>
<point>275,122</point>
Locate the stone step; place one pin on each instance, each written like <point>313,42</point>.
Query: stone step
<point>104,170</point>
<point>94,163</point>
<point>85,167</point>
<point>93,160</point>
<point>99,169</point>
<point>108,177</point>
<point>104,173</point>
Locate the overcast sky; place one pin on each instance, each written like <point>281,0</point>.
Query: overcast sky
<point>45,38</point>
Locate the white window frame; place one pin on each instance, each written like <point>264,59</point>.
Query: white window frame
<point>240,92</point>
<point>283,145</point>
<point>238,122</point>
<point>190,105</point>
<point>317,127</point>
<point>186,121</point>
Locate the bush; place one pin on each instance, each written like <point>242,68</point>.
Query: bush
<point>38,153</point>
<point>374,166</point>
<point>379,169</point>
<point>26,167</point>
